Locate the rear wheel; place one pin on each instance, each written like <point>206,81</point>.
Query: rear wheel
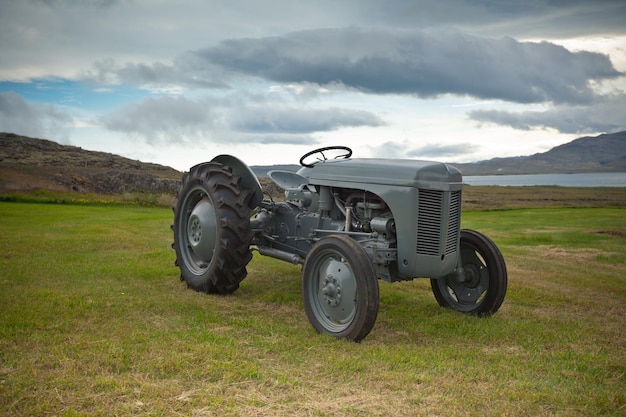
<point>482,289</point>
<point>211,229</point>
<point>340,288</point>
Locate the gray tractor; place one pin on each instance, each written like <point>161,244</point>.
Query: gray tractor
<point>348,222</point>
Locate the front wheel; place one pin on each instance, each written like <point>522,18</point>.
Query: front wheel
<point>482,287</point>
<point>340,288</point>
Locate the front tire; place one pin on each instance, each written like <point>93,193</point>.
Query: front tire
<point>211,228</point>
<point>482,290</point>
<point>340,288</point>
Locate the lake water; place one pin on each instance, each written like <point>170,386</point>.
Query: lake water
<point>604,179</point>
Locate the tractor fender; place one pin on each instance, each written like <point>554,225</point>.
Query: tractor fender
<point>248,179</point>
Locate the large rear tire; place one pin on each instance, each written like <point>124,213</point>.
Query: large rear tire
<point>340,288</point>
<point>483,288</point>
<point>211,228</point>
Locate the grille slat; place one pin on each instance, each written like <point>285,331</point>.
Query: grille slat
<point>454,222</point>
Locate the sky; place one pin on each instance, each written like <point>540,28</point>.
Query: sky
<point>178,82</point>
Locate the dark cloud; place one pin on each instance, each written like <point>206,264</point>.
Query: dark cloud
<point>158,119</point>
<point>280,139</point>
<point>44,38</point>
<point>423,63</point>
<point>607,115</point>
<point>36,120</point>
<point>537,18</point>
<point>186,71</point>
<point>167,118</point>
<point>77,3</point>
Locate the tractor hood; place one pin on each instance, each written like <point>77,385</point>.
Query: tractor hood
<point>393,172</point>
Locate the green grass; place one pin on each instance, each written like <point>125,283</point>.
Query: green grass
<point>94,321</point>
<point>144,199</point>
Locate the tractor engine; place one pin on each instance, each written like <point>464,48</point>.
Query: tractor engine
<point>368,213</point>
<point>293,226</point>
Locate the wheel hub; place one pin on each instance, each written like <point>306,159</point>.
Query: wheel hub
<point>331,291</point>
<point>470,290</point>
<point>337,291</point>
<point>472,275</point>
<point>202,230</point>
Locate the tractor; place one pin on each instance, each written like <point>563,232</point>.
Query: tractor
<point>348,222</point>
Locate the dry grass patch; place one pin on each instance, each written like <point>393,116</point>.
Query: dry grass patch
<point>570,254</point>
<point>496,197</point>
<point>619,233</point>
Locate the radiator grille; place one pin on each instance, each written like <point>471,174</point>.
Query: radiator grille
<point>437,232</point>
<point>429,222</point>
<point>454,222</point>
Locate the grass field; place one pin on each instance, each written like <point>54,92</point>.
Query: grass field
<point>94,321</point>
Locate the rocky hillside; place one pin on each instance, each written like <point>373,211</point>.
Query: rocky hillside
<point>28,164</point>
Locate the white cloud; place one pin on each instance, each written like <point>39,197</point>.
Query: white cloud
<point>161,119</point>
<point>44,121</point>
<point>605,115</point>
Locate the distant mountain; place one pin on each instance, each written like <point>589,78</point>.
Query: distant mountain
<point>604,153</point>
<point>31,164</point>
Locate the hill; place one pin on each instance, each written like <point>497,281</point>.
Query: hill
<point>28,164</point>
<point>604,153</point>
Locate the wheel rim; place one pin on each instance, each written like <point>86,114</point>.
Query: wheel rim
<point>198,231</point>
<point>468,293</point>
<point>333,292</point>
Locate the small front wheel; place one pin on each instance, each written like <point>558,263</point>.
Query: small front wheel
<point>340,288</point>
<point>482,288</point>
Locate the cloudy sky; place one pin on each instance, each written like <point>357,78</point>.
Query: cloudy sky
<point>178,82</point>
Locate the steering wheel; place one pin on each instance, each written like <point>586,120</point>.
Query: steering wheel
<point>321,151</point>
